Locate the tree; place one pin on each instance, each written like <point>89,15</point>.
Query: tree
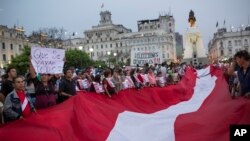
<point>21,62</point>
<point>48,37</point>
<point>77,58</point>
<point>99,63</point>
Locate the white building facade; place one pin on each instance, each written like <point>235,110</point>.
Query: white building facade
<point>225,44</point>
<point>12,41</point>
<point>119,40</point>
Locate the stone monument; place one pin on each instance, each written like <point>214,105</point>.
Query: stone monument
<point>194,50</point>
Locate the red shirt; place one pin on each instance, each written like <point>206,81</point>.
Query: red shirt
<point>27,110</point>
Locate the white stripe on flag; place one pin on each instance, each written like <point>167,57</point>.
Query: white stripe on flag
<point>159,126</point>
<point>25,102</point>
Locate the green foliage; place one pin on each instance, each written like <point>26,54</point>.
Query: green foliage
<point>21,62</point>
<point>77,59</point>
<point>99,63</point>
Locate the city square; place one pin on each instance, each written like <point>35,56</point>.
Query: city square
<point>129,70</point>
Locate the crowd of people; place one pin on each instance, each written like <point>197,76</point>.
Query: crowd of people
<point>38,91</point>
<point>22,95</point>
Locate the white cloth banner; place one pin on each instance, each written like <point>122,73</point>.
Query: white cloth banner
<point>139,56</point>
<point>47,60</point>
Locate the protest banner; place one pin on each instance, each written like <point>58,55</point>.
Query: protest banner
<point>47,60</point>
<point>139,57</point>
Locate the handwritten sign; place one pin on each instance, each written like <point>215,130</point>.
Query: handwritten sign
<point>47,60</point>
<point>143,57</point>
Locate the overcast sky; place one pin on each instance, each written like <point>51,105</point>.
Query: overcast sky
<point>80,15</point>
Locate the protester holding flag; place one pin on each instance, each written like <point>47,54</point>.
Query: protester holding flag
<point>151,77</point>
<point>117,80</point>
<point>107,83</point>
<point>96,85</point>
<point>67,87</point>
<point>136,81</point>
<point>242,58</point>
<point>18,103</point>
<point>160,80</point>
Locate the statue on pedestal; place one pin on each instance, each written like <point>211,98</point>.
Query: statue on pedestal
<point>194,51</point>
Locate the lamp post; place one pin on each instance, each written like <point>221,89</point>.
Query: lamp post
<point>241,40</point>
<point>91,50</point>
<point>109,57</point>
<point>80,48</point>
<point>115,57</point>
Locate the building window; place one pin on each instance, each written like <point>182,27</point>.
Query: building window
<point>110,45</point>
<point>11,46</point>
<point>221,52</point>
<point>2,33</point>
<point>87,41</point>
<point>96,46</point>
<point>168,55</point>
<point>221,44</point>
<point>116,44</point>
<point>229,43</point>
<point>12,57</point>
<point>163,55</point>
<point>4,57</point>
<point>3,45</point>
<point>245,42</point>
<point>101,46</point>
<point>169,24</point>
<point>106,46</point>
<point>121,44</point>
<point>20,47</point>
<point>239,42</point>
<point>235,42</point>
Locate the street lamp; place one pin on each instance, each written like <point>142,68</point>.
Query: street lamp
<point>109,57</point>
<point>241,40</point>
<point>115,57</point>
<point>80,48</point>
<point>91,50</point>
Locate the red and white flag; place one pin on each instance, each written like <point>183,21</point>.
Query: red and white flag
<point>198,108</point>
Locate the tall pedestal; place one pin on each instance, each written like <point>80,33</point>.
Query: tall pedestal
<point>194,50</point>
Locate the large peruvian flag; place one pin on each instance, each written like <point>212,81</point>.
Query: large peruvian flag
<point>199,108</point>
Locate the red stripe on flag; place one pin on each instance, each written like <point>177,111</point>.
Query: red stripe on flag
<point>217,113</point>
